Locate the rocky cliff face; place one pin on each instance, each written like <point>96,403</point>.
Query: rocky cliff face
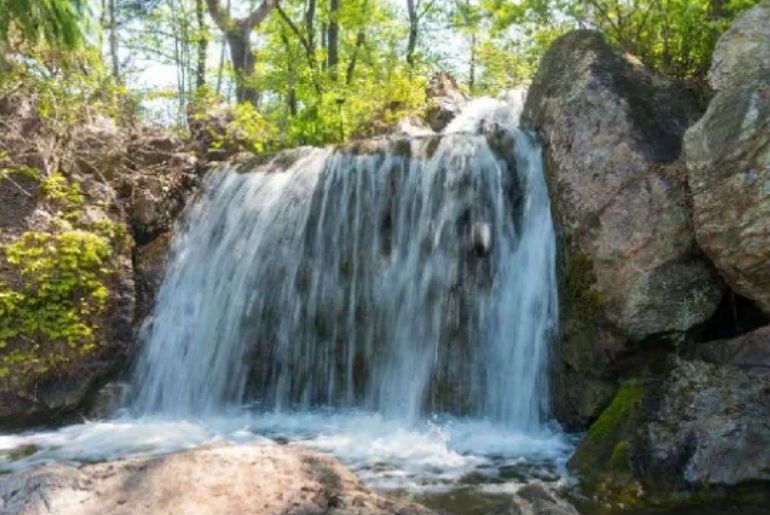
<point>76,215</point>
<point>632,272</point>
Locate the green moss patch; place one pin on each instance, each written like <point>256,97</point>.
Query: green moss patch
<point>603,459</point>
<point>55,288</point>
<point>626,402</point>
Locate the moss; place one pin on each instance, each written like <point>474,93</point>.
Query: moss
<point>626,401</point>
<point>581,296</point>
<point>604,458</point>
<point>620,455</point>
<point>55,290</point>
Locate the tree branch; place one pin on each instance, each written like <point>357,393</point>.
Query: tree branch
<point>294,29</point>
<point>220,17</point>
<point>260,13</point>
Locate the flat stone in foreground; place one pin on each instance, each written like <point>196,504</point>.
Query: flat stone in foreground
<point>237,479</point>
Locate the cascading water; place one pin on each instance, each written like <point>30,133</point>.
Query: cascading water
<point>410,278</point>
<point>391,302</point>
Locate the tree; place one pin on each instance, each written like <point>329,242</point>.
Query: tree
<point>112,16</point>
<point>58,22</point>
<point>332,40</point>
<point>676,37</point>
<point>238,35</point>
<point>416,11</point>
<point>203,43</point>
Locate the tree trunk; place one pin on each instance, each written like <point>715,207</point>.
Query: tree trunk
<point>472,70</point>
<point>332,42</point>
<point>310,25</point>
<point>413,27</point>
<point>237,33</point>
<point>115,59</point>
<point>203,43</point>
<point>291,86</point>
<point>243,64</point>
<point>220,72</point>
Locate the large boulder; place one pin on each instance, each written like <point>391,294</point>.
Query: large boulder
<point>728,157</point>
<point>631,270</point>
<point>702,429</point>
<point>149,264</point>
<point>742,50</point>
<point>261,479</point>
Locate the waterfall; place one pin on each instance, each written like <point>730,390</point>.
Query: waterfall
<point>407,276</point>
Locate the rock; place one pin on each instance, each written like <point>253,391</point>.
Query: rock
<point>243,479</point>
<point>99,148</point>
<point>61,390</point>
<point>150,262</point>
<point>631,270</point>
<point>19,198</point>
<point>705,427</point>
<point>445,101</point>
<point>535,499</point>
<point>155,202</point>
<point>742,50</point>
<point>750,351</point>
<point>712,427</point>
<point>728,158</point>
<point>154,151</point>
<point>106,400</point>
<point>214,133</point>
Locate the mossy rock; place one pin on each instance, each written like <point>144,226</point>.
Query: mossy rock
<point>604,460</point>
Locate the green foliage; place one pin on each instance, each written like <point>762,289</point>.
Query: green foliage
<point>676,37</point>
<point>58,22</point>
<point>249,127</point>
<point>58,288</point>
<point>364,107</point>
<point>58,189</point>
<point>373,86</point>
<point>67,89</point>
<point>8,168</point>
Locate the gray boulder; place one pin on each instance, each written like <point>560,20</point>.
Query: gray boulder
<point>742,50</point>
<point>703,426</point>
<point>750,351</point>
<point>712,427</point>
<point>728,158</point>
<point>631,269</point>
